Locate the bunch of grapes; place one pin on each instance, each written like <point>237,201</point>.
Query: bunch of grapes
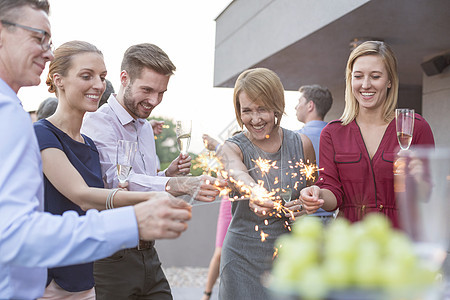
<point>369,256</point>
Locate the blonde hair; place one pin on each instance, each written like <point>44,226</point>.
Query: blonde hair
<point>260,85</point>
<point>381,49</point>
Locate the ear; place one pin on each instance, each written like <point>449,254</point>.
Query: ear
<point>311,106</point>
<point>124,78</point>
<point>389,84</point>
<point>58,81</point>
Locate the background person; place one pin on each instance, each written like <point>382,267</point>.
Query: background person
<point>108,91</point>
<point>313,104</point>
<point>31,240</point>
<point>259,105</point>
<point>357,151</point>
<point>223,221</point>
<point>47,108</point>
<point>146,70</point>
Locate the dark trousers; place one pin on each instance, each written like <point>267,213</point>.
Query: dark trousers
<point>131,274</point>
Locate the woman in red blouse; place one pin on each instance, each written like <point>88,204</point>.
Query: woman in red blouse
<point>358,150</point>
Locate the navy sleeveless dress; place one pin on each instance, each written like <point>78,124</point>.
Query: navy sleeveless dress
<point>84,157</point>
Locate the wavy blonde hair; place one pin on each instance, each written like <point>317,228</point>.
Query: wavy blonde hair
<point>381,49</point>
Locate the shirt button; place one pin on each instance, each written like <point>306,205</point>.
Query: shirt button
<point>381,206</point>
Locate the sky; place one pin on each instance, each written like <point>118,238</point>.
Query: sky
<point>185,30</point>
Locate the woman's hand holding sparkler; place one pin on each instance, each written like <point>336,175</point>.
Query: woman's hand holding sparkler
<point>294,209</point>
<point>310,197</point>
<point>261,201</point>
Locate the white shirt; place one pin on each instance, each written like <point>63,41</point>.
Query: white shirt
<point>110,123</point>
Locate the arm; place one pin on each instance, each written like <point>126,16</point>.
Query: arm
<point>324,194</point>
<point>29,237</point>
<point>231,157</point>
<point>66,179</point>
<point>309,157</point>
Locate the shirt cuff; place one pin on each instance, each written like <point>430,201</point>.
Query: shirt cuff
<point>121,227</point>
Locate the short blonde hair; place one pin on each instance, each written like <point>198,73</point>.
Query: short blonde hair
<point>260,85</point>
<point>381,49</point>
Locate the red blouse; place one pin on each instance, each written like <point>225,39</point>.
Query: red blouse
<point>360,184</point>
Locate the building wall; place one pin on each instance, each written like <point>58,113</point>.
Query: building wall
<point>436,105</point>
<point>259,21</point>
<point>195,247</point>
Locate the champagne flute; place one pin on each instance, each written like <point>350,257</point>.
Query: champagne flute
<point>183,130</point>
<point>404,120</point>
<point>126,151</point>
<point>286,194</point>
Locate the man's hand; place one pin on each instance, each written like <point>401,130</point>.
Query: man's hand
<point>207,188</point>
<point>157,126</point>
<point>162,217</point>
<point>310,199</point>
<point>202,188</point>
<point>209,142</point>
<point>179,166</point>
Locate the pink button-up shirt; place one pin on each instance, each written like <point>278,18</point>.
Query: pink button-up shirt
<point>110,123</point>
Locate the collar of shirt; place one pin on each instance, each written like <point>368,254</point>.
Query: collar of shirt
<point>8,91</point>
<point>316,123</point>
<point>122,114</point>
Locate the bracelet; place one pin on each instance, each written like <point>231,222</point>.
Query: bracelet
<point>207,293</point>
<point>110,198</point>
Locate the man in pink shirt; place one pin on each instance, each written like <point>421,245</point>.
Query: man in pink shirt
<point>146,70</point>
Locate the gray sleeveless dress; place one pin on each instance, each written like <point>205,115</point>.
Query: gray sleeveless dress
<point>245,258</point>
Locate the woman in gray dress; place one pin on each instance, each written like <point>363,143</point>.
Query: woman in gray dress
<point>248,248</point>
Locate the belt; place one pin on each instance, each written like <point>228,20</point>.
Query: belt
<point>143,245</point>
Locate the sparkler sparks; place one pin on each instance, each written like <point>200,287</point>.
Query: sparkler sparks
<point>258,193</point>
<point>263,236</point>
<point>265,164</point>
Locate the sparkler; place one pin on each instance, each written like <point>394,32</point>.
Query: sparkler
<point>210,163</point>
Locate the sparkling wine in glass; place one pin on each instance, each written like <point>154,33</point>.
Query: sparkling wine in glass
<point>183,130</point>
<point>286,194</point>
<point>126,151</point>
<point>404,120</point>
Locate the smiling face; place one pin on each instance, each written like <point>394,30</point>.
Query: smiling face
<point>370,81</point>
<point>259,120</point>
<point>143,94</point>
<point>84,83</point>
<point>22,59</point>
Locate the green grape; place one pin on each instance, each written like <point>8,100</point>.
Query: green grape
<point>337,273</point>
<point>313,285</point>
<point>309,228</point>
<point>377,227</point>
<point>366,271</point>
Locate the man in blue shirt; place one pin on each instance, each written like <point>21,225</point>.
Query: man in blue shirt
<point>30,240</point>
<point>313,104</point>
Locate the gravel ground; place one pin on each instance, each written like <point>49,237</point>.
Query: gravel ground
<point>187,276</point>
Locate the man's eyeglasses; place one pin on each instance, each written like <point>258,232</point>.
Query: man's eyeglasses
<point>46,39</point>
